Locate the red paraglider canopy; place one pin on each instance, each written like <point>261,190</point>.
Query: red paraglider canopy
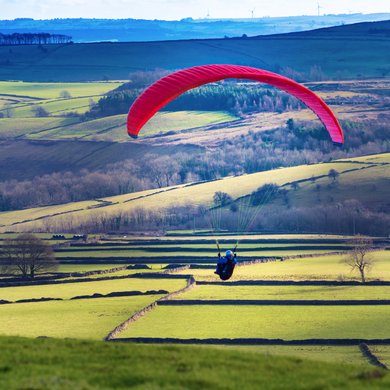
<point>168,88</point>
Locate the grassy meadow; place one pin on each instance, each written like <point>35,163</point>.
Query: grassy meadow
<point>82,364</point>
<point>22,99</point>
<point>329,267</point>
<point>270,322</point>
<point>69,290</point>
<point>83,319</point>
<point>218,292</point>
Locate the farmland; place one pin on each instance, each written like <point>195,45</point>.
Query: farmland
<point>249,303</point>
<point>86,319</point>
<point>368,173</point>
<point>69,290</point>
<point>274,322</point>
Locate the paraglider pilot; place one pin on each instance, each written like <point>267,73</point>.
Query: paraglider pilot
<point>226,264</point>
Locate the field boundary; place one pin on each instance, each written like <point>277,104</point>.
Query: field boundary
<point>276,302</point>
<point>369,355</point>
<point>295,283</point>
<point>93,296</point>
<point>124,325</point>
<point>81,280</point>
<point>252,341</point>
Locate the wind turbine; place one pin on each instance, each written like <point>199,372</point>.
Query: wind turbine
<point>253,12</point>
<point>318,8</point>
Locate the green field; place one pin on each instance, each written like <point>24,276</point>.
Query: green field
<point>56,108</point>
<point>69,290</point>
<point>312,268</point>
<point>152,254</point>
<point>323,353</point>
<point>64,364</point>
<point>53,90</point>
<point>113,128</point>
<point>285,322</point>
<point>12,128</point>
<point>75,268</point>
<point>383,353</point>
<point>206,292</point>
<point>85,319</point>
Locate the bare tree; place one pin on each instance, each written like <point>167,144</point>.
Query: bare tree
<point>222,199</point>
<point>27,255</point>
<point>333,174</point>
<point>360,256</point>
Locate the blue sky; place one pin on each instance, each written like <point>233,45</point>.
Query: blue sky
<point>177,9</point>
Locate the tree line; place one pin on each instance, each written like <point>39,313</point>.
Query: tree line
<point>33,39</point>
<point>348,217</point>
<point>237,98</point>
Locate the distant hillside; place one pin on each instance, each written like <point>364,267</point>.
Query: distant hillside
<point>362,180</point>
<point>122,30</point>
<point>344,52</point>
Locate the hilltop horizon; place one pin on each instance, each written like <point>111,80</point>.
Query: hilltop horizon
<point>85,30</point>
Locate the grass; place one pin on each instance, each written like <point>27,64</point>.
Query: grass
<point>85,129</point>
<point>53,90</point>
<point>287,292</point>
<point>369,185</point>
<point>181,120</point>
<point>11,217</point>
<point>11,128</point>
<point>86,319</point>
<point>313,268</point>
<point>382,352</point>
<point>285,322</point>
<point>164,245</point>
<point>59,107</point>
<point>64,364</point>
<point>131,253</point>
<point>69,290</point>
<point>85,267</point>
<point>113,128</point>
<point>323,353</point>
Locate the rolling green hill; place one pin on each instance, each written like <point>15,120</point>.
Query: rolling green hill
<point>358,177</point>
<point>64,364</point>
<point>341,52</point>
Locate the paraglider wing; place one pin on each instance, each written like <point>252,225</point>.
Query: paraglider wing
<point>169,87</point>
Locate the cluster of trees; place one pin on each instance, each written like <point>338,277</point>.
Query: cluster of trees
<point>26,255</point>
<point>33,39</point>
<point>238,98</point>
<point>63,187</point>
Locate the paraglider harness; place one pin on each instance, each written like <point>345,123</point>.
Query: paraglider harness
<point>225,265</point>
